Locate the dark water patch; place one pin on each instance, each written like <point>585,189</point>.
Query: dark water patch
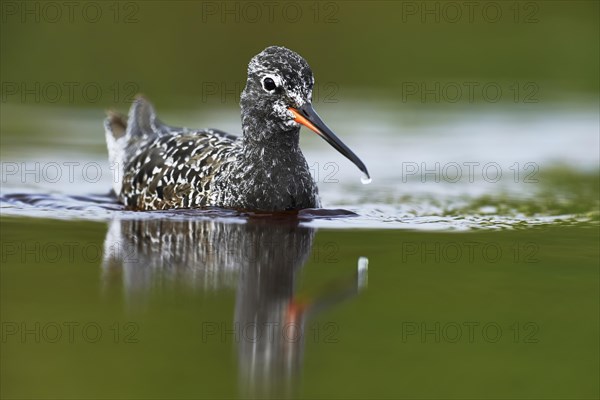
<point>60,201</point>
<point>106,206</point>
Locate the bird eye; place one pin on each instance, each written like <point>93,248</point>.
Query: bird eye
<point>269,84</point>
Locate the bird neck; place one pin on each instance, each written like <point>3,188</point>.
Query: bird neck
<point>265,135</point>
<point>277,148</point>
<point>271,169</point>
<point>264,146</point>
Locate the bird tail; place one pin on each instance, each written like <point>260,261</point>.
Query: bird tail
<point>122,132</point>
<point>142,121</point>
<point>115,127</point>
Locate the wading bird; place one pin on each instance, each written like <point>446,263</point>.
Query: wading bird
<point>163,167</point>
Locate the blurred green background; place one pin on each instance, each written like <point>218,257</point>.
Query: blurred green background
<point>173,51</point>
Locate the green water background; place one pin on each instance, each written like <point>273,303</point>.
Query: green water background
<point>544,277</point>
<point>171,50</point>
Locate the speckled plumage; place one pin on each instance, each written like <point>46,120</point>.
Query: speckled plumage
<point>162,167</point>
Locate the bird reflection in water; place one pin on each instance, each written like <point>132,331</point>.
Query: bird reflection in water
<point>260,257</point>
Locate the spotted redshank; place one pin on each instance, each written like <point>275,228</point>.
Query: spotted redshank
<point>163,167</point>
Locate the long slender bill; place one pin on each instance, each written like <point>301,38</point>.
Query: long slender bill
<point>307,116</point>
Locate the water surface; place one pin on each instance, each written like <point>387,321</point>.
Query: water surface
<point>421,284</point>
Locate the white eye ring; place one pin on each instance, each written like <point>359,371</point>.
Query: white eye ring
<point>270,80</point>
